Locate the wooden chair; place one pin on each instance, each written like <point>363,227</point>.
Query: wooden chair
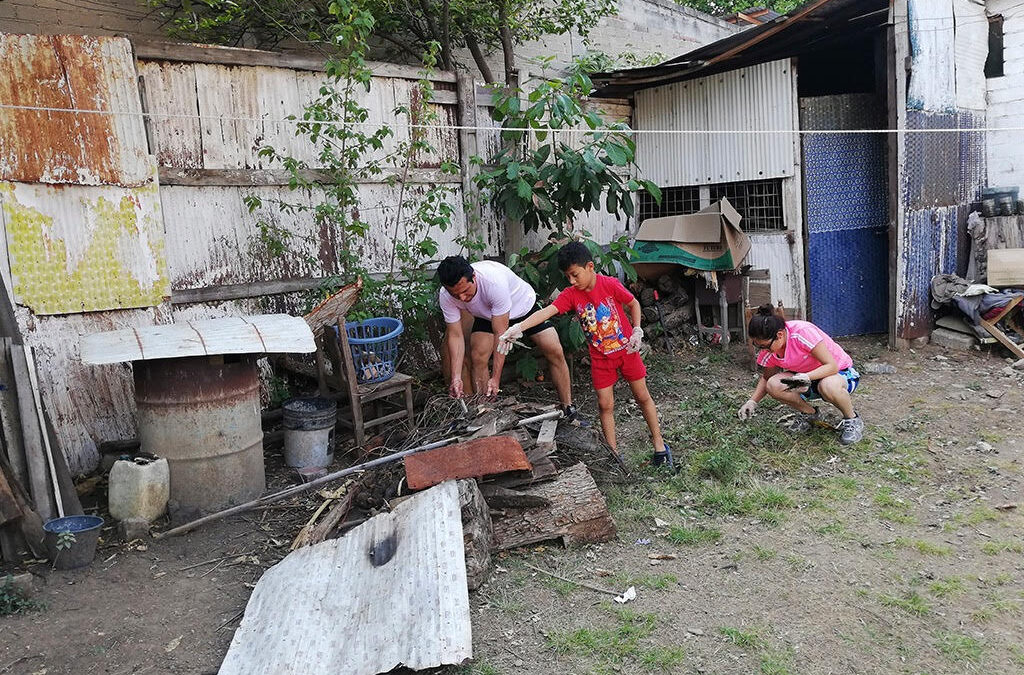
<point>327,321</point>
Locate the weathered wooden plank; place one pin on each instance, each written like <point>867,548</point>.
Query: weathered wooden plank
<point>235,56</point>
<point>330,310</point>
<point>477,533</point>
<point>1006,267</point>
<point>577,514</point>
<point>391,592</point>
<point>10,419</point>
<point>171,175</point>
<point>32,436</point>
<point>267,334</point>
<point>256,289</point>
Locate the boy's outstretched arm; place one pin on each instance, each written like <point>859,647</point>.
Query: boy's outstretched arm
<point>515,331</point>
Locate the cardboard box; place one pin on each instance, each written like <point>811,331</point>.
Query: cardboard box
<point>1006,267</point>
<point>707,240</point>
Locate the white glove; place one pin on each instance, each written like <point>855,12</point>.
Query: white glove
<point>505,340</point>
<point>635,340</point>
<point>746,410</point>
<point>803,378</point>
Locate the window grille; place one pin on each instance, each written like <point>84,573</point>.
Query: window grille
<point>758,201</point>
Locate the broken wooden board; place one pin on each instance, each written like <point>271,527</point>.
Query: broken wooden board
<point>477,533</point>
<point>577,514</point>
<point>346,606</point>
<point>472,459</point>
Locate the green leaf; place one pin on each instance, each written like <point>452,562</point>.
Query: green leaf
<point>526,367</point>
<point>524,190</point>
<point>616,154</point>
<point>577,338</point>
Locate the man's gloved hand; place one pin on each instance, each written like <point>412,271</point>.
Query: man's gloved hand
<point>455,389</point>
<point>635,340</point>
<point>505,340</point>
<point>746,410</point>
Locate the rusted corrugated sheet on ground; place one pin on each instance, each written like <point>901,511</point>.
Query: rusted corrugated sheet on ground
<point>82,248</point>
<point>472,459</point>
<point>87,404</point>
<point>71,72</point>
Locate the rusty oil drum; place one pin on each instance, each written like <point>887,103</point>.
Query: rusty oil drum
<point>204,417</point>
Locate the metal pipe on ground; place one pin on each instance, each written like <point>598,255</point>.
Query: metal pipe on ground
<point>298,489</point>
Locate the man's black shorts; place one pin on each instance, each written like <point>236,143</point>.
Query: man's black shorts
<point>484,326</point>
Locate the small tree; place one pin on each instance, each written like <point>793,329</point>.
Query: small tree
<point>561,160</point>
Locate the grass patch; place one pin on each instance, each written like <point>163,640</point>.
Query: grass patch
<point>959,648</point>
<point>744,639</point>
<point>994,607</point>
<point>892,508</point>
<point>777,663</point>
<point>997,546</point>
<point>797,563</point>
<point>693,536</point>
<point>657,582</point>
<point>624,642</point>
<point>901,461</point>
<point>944,588</point>
<point>923,547</point>
<point>763,554</point>
<point>762,502</point>
<point>478,669</point>
<point>981,515</point>
<point>12,601</point>
<point>839,488</point>
<point>911,603</point>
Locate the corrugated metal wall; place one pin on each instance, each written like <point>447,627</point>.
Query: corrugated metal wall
<point>941,172</point>
<point>90,233</point>
<point>760,97</point>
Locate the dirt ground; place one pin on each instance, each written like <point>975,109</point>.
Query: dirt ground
<point>768,553</point>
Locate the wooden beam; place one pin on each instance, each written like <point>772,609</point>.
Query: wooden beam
<point>153,50</point>
<point>169,175</point>
<point>254,289</point>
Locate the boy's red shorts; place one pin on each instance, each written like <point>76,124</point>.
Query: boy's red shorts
<point>605,369</point>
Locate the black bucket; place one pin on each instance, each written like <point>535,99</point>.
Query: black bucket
<point>309,431</point>
<point>71,540</point>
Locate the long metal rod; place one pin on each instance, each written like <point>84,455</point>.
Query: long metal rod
<point>550,415</point>
<point>298,489</point>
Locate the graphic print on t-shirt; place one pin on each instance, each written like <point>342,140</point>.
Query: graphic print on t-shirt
<point>602,326</point>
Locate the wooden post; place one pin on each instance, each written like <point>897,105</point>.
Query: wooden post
<point>32,435</point>
<point>10,420</point>
<point>468,148</point>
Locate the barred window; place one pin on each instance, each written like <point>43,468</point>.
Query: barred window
<point>758,201</point>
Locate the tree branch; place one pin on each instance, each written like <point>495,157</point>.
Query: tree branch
<point>478,55</point>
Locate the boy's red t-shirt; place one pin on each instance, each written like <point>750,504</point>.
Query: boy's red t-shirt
<point>600,313</point>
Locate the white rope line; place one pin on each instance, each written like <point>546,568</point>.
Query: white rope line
<point>459,127</point>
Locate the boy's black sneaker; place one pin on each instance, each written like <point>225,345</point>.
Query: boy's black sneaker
<point>664,459</point>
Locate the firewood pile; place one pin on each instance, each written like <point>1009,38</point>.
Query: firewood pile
<point>522,471</point>
<point>674,293</point>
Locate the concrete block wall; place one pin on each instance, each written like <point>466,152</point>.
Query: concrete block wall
<point>81,17</point>
<point>643,27</point>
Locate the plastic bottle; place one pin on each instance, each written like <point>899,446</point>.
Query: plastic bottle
<point>139,488</point>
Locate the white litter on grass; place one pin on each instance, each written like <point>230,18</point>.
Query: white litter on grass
<point>630,594</point>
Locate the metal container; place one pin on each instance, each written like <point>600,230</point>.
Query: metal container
<point>203,416</point>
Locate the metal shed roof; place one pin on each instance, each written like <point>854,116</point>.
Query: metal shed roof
<point>803,30</point>
<point>264,334</point>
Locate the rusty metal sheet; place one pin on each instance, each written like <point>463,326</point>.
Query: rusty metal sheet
<point>472,459</point>
<point>75,248</point>
<point>71,72</point>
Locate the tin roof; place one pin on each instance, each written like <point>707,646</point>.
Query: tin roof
<point>264,334</point>
<point>803,30</point>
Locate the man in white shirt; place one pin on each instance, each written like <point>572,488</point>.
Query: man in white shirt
<point>488,296</point>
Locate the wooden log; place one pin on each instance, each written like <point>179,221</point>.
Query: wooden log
<point>10,420</point>
<point>577,514</point>
<point>31,433</point>
<point>9,507</point>
<point>500,498</point>
<point>323,530</point>
<point>477,533</point>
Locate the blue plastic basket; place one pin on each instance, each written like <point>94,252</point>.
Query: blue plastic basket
<point>374,345</point>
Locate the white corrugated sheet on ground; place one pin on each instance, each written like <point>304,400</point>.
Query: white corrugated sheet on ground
<point>327,609</point>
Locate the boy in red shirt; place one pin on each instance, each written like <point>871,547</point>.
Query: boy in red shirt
<point>614,340</point>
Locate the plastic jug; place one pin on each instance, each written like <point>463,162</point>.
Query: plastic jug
<point>139,488</point>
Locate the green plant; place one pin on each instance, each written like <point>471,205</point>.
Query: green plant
<point>947,587</point>
<point>997,546</point>
<point>958,647</point>
<point>911,603</point>
<point>745,639</point>
<point>693,536</point>
<point>350,151</point>
<point>12,601</point>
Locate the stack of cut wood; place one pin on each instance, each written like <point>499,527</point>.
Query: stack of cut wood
<point>675,299</point>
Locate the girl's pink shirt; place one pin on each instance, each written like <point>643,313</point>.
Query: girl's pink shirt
<point>803,336</point>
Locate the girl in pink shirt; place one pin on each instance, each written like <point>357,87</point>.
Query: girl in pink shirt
<point>812,365</point>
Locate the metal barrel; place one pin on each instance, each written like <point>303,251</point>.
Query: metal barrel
<point>204,417</point>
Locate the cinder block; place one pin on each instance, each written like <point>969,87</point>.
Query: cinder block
<point>952,339</point>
